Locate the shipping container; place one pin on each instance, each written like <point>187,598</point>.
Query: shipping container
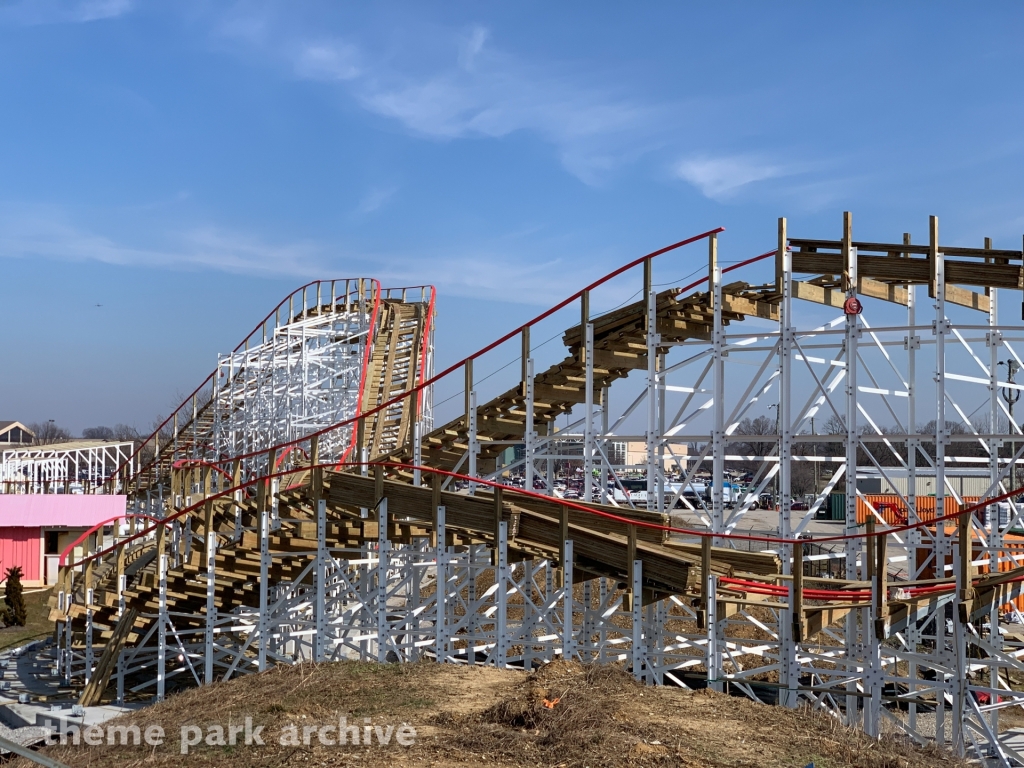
<point>837,506</point>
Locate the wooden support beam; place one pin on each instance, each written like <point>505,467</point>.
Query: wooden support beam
<point>705,572</point>
<point>523,362</point>
<point>882,589</point>
<point>848,257</point>
<point>468,370</point>
<point>988,260</point>
<point>779,253</point>
<point>933,254</point>
<point>207,530</point>
<point>965,298</point>
<point>435,502</point>
<point>317,478</point>
<point>834,298</point>
<point>869,547</point>
<point>965,548</point>
<point>712,268</point>
<point>630,558</point>
<point>584,319</point>
<point>798,591</point>
<point>378,485</point>
<point>648,287</point>
<point>498,510</point>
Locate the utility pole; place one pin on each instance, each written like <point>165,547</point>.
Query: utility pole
<point>1011,396</point>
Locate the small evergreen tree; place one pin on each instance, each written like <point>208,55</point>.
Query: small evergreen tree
<point>15,613</point>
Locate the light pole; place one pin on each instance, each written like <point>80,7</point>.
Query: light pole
<point>1011,395</point>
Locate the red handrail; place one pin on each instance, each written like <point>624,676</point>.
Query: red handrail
<point>201,463</point>
<point>569,505</point>
<point>84,536</point>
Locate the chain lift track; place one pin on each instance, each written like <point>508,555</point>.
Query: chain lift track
<point>310,509</point>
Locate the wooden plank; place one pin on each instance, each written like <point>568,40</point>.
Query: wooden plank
<point>760,563</point>
<point>744,306</point>
<point>906,247</point>
<point>987,275</point>
<point>965,298</point>
<point>835,298</point>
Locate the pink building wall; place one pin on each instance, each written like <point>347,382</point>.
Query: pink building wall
<point>24,518</point>
<point>21,546</point>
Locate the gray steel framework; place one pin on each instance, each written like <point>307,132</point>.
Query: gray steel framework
<point>931,663</point>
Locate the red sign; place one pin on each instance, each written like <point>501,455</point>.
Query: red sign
<point>852,306</point>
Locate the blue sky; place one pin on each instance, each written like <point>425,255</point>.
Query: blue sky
<point>187,164</point>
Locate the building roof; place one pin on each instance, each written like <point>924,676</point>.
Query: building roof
<point>980,470</point>
<point>69,445</point>
<point>57,509</point>
<point>8,425</point>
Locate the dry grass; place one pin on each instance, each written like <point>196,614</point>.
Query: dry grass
<point>481,716</point>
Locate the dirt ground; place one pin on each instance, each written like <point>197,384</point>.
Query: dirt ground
<point>563,716</point>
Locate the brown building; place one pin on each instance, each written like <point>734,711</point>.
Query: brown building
<point>14,433</point>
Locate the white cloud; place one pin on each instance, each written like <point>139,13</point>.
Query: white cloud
<point>92,10</point>
<point>374,200</point>
<point>472,89</point>
<point>723,177</point>
<point>58,12</point>
<point>327,61</point>
<point>493,95</point>
<point>51,235</point>
<point>471,47</point>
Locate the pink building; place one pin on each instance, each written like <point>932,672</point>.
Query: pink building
<point>36,528</point>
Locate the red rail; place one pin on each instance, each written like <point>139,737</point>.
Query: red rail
<point>68,549</point>
<point>565,503</point>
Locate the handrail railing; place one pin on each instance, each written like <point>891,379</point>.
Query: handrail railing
<point>514,491</point>
<point>98,526</point>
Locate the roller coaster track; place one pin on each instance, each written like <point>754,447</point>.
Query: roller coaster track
<point>237,573</point>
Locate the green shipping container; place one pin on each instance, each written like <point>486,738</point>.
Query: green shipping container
<point>837,505</point>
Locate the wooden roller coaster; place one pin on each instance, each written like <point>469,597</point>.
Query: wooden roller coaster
<point>370,532</point>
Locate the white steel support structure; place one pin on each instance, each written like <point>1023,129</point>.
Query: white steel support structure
<point>77,466</point>
<point>918,645</point>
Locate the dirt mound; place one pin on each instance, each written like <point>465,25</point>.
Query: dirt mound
<point>570,715</point>
<point>565,715</point>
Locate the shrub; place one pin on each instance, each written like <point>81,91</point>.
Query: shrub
<point>15,613</point>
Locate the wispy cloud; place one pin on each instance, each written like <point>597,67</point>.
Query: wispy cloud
<point>471,46</point>
<point>62,12</point>
<point>724,177</point>
<point>52,235</point>
<point>327,60</point>
<point>492,94</point>
<point>374,200</point>
<point>472,89</point>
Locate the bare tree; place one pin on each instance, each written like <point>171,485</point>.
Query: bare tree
<point>48,432</point>
<point>98,433</point>
<point>125,433</point>
<point>747,428</point>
